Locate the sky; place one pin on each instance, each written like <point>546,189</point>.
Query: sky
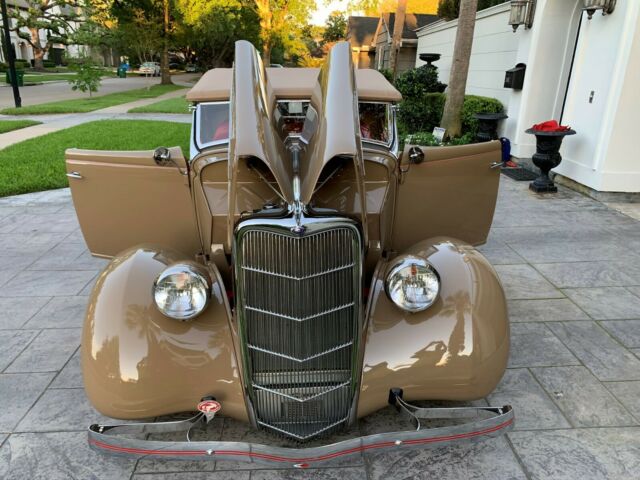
<point>323,10</point>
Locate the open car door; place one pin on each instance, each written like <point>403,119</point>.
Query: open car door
<point>124,199</point>
<point>448,191</point>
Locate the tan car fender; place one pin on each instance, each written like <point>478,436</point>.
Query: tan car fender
<point>457,349</point>
<point>138,363</point>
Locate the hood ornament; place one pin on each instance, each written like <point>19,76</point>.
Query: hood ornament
<point>298,206</point>
<point>299,229</point>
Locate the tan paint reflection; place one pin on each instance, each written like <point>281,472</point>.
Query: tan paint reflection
<point>138,363</point>
<point>455,350</point>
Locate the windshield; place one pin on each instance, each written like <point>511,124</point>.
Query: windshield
<point>212,124</point>
<point>376,120</point>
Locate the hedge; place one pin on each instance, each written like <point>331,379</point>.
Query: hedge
<point>423,114</point>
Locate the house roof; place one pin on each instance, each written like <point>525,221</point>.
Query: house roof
<point>412,21</point>
<point>361,30</point>
<point>215,85</point>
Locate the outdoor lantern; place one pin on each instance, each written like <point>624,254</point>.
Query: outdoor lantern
<point>590,6</point>
<point>522,13</point>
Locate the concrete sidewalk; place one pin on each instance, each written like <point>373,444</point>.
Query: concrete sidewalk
<point>570,267</point>
<point>53,123</point>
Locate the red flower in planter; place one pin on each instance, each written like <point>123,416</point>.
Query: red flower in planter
<point>550,126</point>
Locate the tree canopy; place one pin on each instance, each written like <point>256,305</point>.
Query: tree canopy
<point>56,17</point>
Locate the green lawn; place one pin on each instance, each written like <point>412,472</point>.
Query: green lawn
<point>9,125</point>
<point>32,77</point>
<point>42,77</point>
<point>171,105</point>
<point>38,164</point>
<point>89,104</point>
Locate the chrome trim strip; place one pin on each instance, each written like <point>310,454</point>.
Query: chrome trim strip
<point>485,422</point>
<point>301,400</point>
<point>300,360</point>
<point>300,319</point>
<point>304,437</point>
<point>290,277</point>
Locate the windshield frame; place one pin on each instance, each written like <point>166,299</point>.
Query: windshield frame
<point>197,126</point>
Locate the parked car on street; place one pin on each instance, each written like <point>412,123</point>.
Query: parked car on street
<point>297,272</point>
<point>190,68</point>
<point>150,68</point>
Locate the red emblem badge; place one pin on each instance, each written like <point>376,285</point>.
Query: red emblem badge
<point>209,406</point>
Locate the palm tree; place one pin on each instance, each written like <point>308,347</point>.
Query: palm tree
<point>398,27</point>
<point>451,116</point>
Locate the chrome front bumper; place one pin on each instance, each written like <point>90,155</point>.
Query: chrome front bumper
<point>483,422</point>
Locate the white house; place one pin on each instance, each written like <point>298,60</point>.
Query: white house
<point>583,73</point>
<point>24,51</point>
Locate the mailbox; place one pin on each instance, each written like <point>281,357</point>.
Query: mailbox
<point>514,78</point>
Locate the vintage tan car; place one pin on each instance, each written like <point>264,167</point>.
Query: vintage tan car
<point>296,272</point>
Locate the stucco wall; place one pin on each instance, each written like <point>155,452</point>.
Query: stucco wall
<point>494,50</point>
<point>603,155</point>
<point>603,102</point>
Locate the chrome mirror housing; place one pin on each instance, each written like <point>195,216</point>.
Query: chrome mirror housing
<point>416,155</point>
<point>162,157</point>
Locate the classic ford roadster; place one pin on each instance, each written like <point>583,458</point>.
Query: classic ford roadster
<point>297,272</point>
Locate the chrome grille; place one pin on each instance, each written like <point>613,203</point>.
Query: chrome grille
<point>298,306</point>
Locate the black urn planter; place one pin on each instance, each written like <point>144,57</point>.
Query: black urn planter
<point>429,58</point>
<point>547,156</point>
<point>488,126</point>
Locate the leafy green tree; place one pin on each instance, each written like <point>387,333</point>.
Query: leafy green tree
<point>210,28</point>
<point>335,28</point>
<point>87,78</point>
<point>450,9</point>
<point>56,17</point>
<point>281,22</point>
<point>147,27</point>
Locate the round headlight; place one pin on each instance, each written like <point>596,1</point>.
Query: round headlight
<point>181,292</point>
<point>413,284</point>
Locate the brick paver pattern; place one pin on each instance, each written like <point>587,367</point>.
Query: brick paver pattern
<point>571,271</point>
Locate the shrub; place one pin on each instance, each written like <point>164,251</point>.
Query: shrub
<point>418,81</point>
<point>87,78</point>
<point>22,64</point>
<point>450,9</point>
<point>426,139</point>
<point>424,113</point>
<point>49,64</point>
<point>475,104</point>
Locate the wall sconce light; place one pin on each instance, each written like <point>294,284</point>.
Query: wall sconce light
<point>607,7</point>
<point>522,13</point>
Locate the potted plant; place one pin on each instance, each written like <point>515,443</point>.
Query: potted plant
<point>549,136</point>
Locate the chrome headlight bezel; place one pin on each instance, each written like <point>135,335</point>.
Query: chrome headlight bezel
<point>398,268</point>
<point>199,279</point>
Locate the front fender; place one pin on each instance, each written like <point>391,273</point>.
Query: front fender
<point>137,363</point>
<point>457,349</point>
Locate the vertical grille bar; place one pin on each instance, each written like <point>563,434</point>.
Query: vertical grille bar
<point>298,305</point>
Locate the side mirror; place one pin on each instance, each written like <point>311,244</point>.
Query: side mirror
<point>162,157</point>
<point>416,155</point>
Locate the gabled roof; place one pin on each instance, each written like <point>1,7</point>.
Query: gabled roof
<point>412,21</point>
<point>361,30</point>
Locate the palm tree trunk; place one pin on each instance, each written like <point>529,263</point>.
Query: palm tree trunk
<point>451,116</point>
<point>396,41</point>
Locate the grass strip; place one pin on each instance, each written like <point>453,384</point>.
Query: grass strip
<point>38,164</point>
<point>89,104</point>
